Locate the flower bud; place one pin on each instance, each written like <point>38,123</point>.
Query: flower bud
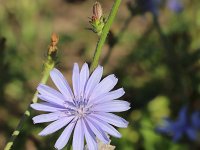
<point>54,39</point>
<point>97,20</point>
<point>52,47</point>
<point>97,11</point>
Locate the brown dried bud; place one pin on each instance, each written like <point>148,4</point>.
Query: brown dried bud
<point>97,11</point>
<point>54,41</point>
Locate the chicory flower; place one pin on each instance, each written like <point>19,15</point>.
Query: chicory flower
<point>85,111</point>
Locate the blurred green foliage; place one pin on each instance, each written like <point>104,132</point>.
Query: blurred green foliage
<point>158,80</point>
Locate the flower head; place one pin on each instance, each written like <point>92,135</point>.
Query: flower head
<point>175,5</point>
<point>86,110</point>
<point>184,125</point>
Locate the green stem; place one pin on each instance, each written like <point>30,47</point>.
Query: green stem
<point>48,66</point>
<point>104,34</point>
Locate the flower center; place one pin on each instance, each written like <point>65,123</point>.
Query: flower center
<point>81,112</point>
<point>81,109</point>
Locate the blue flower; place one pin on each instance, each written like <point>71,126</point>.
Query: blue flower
<point>175,5</point>
<point>86,110</point>
<point>184,125</point>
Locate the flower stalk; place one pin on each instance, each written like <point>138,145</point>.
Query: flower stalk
<point>48,66</point>
<point>104,34</point>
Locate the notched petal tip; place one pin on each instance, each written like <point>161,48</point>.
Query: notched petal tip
<point>76,66</point>
<point>85,67</point>
<point>33,105</point>
<point>126,103</point>
<point>122,91</point>
<point>118,136</point>
<point>34,120</point>
<point>126,122</point>
<point>113,78</point>
<point>128,108</point>
<point>42,134</point>
<point>85,63</point>
<point>99,68</point>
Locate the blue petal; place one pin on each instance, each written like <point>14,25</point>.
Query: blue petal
<point>50,95</point>
<point>177,135</point>
<point>78,138</point>
<point>182,117</point>
<point>97,130</point>
<point>93,81</point>
<point>112,106</point>
<point>192,133</point>
<point>56,125</point>
<point>104,86</point>
<point>48,117</point>
<point>166,127</point>
<point>62,84</point>
<point>90,137</point>
<point>84,75</point>
<point>64,137</point>
<point>46,107</point>
<point>112,119</point>
<point>195,118</point>
<point>76,80</point>
<point>107,96</point>
<point>105,126</point>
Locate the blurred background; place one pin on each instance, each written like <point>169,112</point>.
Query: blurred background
<point>153,48</point>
